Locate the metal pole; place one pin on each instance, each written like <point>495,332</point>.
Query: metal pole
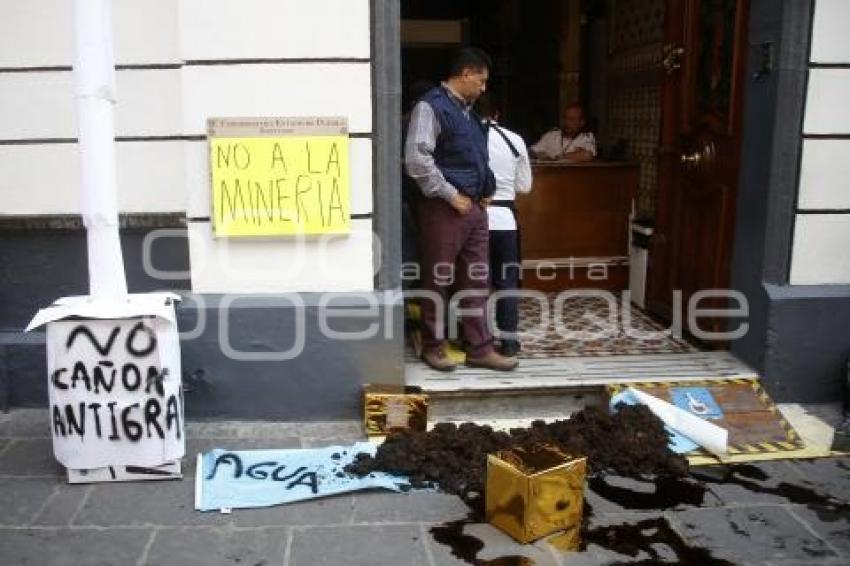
<point>94,75</point>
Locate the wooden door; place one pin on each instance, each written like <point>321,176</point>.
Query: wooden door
<point>704,65</point>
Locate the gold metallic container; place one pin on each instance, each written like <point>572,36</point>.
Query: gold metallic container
<point>394,408</point>
<point>534,492</point>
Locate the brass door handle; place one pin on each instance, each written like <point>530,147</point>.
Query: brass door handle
<point>700,159</point>
<point>691,158</point>
<point>672,58</point>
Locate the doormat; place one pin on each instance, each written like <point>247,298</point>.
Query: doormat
<point>757,429</point>
<point>580,326</point>
<point>586,326</point>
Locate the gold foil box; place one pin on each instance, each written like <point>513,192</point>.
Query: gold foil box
<point>394,408</point>
<point>531,493</point>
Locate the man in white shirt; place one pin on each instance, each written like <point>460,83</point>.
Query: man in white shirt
<point>508,159</point>
<point>568,143</point>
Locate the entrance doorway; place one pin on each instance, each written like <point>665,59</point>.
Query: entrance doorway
<point>700,151</point>
<point>660,84</point>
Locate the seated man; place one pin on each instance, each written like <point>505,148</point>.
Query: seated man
<point>570,142</point>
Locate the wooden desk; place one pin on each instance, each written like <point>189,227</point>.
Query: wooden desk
<point>577,215</point>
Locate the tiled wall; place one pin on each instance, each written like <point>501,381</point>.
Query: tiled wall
<point>634,87</point>
<point>822,227</point>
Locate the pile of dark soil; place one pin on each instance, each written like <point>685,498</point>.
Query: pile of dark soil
<point>630,442</point>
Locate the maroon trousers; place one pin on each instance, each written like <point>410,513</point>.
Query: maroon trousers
<point>455,254</point>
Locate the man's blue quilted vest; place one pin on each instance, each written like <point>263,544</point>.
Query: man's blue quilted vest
<point>461,151</point>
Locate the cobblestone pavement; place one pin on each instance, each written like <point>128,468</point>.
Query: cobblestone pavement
<point>770,517</point>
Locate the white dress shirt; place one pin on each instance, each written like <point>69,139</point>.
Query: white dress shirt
<point>513,175</point>
<point>554,144</point>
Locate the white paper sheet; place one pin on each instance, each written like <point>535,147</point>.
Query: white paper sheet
<point>84,306</point>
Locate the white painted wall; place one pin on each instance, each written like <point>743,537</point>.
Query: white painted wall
<point>269,29</point>
<point>40,105</point>
<point>264,29</point>
<point>825,175</point>
<point>298,89</point>
<point>44,179</point>
<point>278,38</point>
<point>333,263</point>
<point>827,111</point>
<point>37,105</point>
<point>829,41</point>
<point>39,33</point>
<point>819,253</point>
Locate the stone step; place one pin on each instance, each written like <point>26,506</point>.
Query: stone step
<point>508,409</point>
<point>581,372</point>
<point>554,388</point>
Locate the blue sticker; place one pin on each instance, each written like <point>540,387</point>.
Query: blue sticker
<point>696,400</point>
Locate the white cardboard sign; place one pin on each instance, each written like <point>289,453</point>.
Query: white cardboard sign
<point>115,392</point>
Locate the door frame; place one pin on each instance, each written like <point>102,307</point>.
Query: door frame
<point>772,142</point>
<point>678,118</point>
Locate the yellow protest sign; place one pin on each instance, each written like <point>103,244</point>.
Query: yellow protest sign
<point>278,176</point>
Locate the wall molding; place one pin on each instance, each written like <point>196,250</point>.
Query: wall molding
<point>38,141</point>
<point>131,139</point>
<point>829,65</point>
<point>826,137</point>
<point>273,61</point>
<point>74,222</point>
<point>194,63</point>
<point>42,69</point>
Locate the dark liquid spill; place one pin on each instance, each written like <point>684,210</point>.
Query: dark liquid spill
<point>828,508</point>
<point>466,547</point>
<point>455,459</point>
<point>463,547</point>
<point>633,539</point>
<point>624,539</point>
<point>669,492</point>
<point>750,471</point>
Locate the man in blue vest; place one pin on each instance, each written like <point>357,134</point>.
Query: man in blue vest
<point>446,155</point>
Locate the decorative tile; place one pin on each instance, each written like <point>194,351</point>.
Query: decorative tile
<point>634,102</point>
<point>585,327</point>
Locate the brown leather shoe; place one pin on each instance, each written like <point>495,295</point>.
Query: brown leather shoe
<point>438,360</point>
<point>493,360</point>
